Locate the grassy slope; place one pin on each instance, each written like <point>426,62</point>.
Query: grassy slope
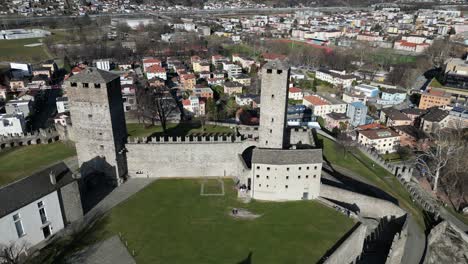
<point>169,222</point>
<point>14,50</point>
<point>376,174</point>
<point>23,161</point>
<point>138,130</point>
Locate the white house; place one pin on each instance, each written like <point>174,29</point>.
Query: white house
<point>12,124</point>
<point>62,105</point>
<point>194,106</point>
<point>285,174</point>
<point>232,69</point>
<point>335,77</point>
<point>103,64</point>
<point>321,107</point>
<point>382,140</point>
<point>23,107</point>
<point>156,71</point>
<point>34,208</point>
<point>295,93</point>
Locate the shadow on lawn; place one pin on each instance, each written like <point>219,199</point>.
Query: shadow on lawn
<point>247,260</point>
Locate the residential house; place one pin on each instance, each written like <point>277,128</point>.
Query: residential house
<point>412,137</point>
<point>295,93</point>
<point>17,84</point>
<point>414,114</point>
<point>391,96</point>
<point>321,107</point>
<point>232,88</point>
<point>205,75</point>
<point>354,97</point>
<point>218,60</point>
<point>434,120</point>
<point>129,97</point>
<point>62,105</point>
<point>383,140</point>
<point>203,92</point>
<point>232,69</point>
<point>194,106</point>
<point>357,112</point>
<point>23,107</point>
<point>148,62</point>
<point>201,66</point>
<point>12,124</point>
<point>188,81</point>
<point>37,207</point>
<point>245,62</point>
<point>242,78</point>
<point>337,120</point>
<point>156,71</point>
<point>42,71</point>
<point>434,98</point>
<point>248,100</point>
<point>335,77</point>
<point>367,90</point>
<point>410,46</point>
<point>393,117</point>
<point>51,65</point>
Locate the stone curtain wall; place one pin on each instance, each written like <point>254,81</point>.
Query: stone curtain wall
<point>42,136</point>
<point>204,157</point>
<point>367,206</point>
<point>350,249</point>
<point>398,245</point>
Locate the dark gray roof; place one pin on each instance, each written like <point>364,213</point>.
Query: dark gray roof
<point>27,190</point>
<point>287,156</point>
<point>412,131</point>
<point>277,65</point>
<point>413,111</point>
<point>93,75</point>
<point>435,115</point>
<point>394,114</point>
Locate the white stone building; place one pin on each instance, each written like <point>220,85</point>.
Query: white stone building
<point>335,77</point>
<point>62,104</point>
<point>34,208</point>
<point>286,174</point>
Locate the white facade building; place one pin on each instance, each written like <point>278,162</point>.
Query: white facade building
<point>335,77</point>
<point>382,140</point>
<point>12,124</point>
<point>62,105</point>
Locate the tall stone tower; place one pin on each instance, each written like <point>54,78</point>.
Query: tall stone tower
<point>98,123</point>
<point>274,103</point>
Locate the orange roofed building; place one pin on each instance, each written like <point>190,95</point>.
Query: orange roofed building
<point>434,98</point>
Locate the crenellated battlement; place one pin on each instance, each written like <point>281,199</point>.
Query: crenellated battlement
<point>42,136</point>
<point>195,139</point>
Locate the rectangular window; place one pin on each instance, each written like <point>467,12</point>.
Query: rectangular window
<point>18,225</point>
<point>90,115</point>
<point>43,215</point>
<point>73,84</point>
<point>101,147</point>
<point>258,176</point>
<point>269,70</point>
<point>258,167</point>
<point>85,85</point>
<point>286,186</point>
<point>97,85</point>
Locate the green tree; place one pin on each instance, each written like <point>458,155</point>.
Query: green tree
<point>211,110</point>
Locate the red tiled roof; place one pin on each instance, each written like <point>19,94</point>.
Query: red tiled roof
<point>273,56</point>
<point>151,60</point>
<point>370,126</point>
<point>187,76</point>
<point>295,90</point>
<point>315,100</point>
<point>155,68</point>
<point>379,133</point>
<point>186,102</point>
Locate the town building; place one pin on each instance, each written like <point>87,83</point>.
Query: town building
<point>391,96</point>
<point>336,120</point>
<point>434,120</point>
<point>295,93</point>
<point>367,90</point>
<point>11,124</point>
<point>242,78</point>
<point>194,106</point>
<point>203,92</point>
<point>231,88</point>
<point>62,105</point>
<point>23,107</point>
<point>188,81</point>
<point>335,77</point>
<point>412,137</point>
<point>393,117</point>
<point>383,140</point>
<point>321,106</point>
<point>156,71</point>
<point>147,62</point>
<point>434,98</point>
<point>357,113</point>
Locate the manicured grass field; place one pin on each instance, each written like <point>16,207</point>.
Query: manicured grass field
<point>139,130</point>
<point>14,50</point>
<point>23,161</point>
<point>169,222</point>
<point>362,165</point>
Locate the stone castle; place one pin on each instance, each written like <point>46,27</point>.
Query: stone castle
<point>281,164</point>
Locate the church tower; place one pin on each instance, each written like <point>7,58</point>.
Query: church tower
<point>98,123</point>
<point>274,103</point>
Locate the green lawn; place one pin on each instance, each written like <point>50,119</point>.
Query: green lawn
<point>23,161</point>
<point>183,129</point>
<point>362,165</point>
<point>14,50</point>
<point>169,222</point>
<point>391,156</point>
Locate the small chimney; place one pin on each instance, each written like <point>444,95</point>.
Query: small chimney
<point>52,177</point>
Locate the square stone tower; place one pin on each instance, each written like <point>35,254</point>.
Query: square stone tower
<point>98,123</point>
<point>274,103</point>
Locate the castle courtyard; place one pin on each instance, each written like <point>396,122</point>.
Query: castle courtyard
<point>170,222</point>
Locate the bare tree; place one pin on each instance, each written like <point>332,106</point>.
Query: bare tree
<point>12,253</point>
<point>445,146</point>
<point>162,106</point>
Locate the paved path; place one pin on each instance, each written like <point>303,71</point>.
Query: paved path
<point>445,214</point>
<point>118,195</point>
<point>415,243</point>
